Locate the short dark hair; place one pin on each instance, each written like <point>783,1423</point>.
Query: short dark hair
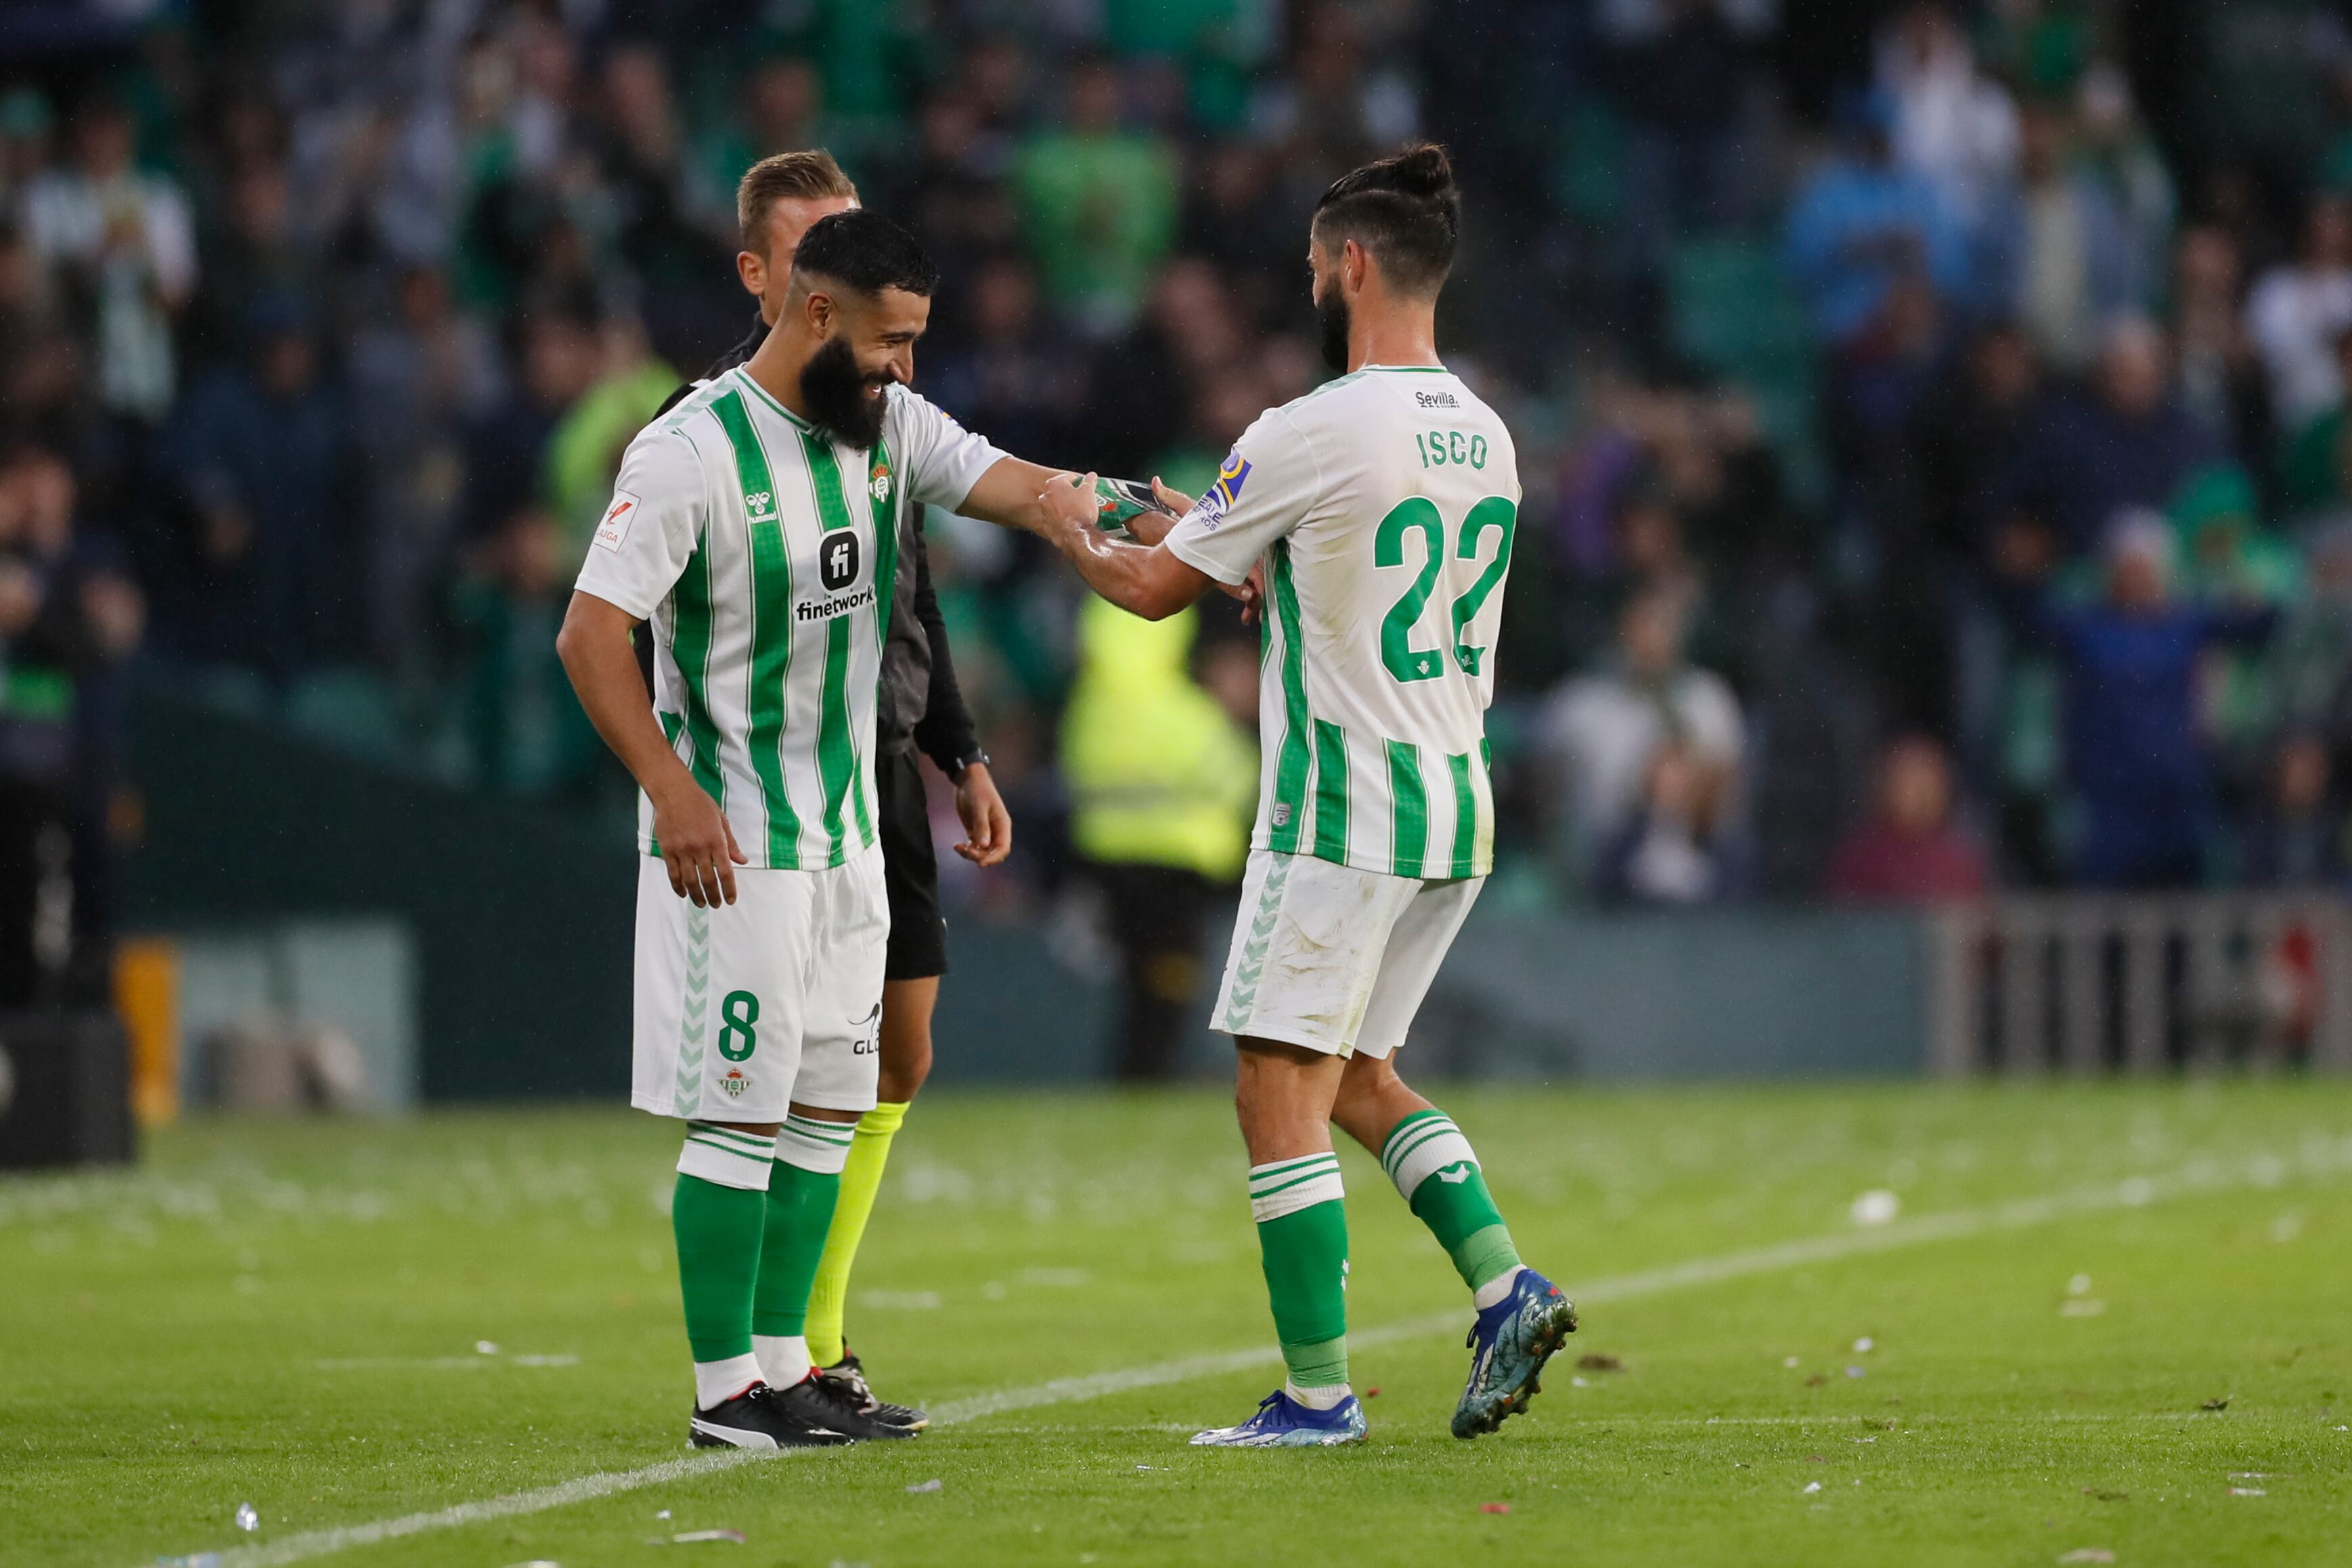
<point>784,177</point>
<point>1404,209</point>
<point>862,250</point>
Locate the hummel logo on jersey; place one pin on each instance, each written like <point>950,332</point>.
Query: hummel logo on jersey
<point>760,504</point>
<point>614,531</point>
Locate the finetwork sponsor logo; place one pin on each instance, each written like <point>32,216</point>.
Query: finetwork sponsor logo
<point>1437,400</point>
<point>826,608</point>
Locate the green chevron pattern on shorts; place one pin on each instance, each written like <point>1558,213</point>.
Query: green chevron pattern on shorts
<point>1243,998</point>
<point>694,1012</point>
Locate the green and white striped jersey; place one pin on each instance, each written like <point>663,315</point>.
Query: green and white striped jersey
<point>1383,504</point>
<point>762,552</point>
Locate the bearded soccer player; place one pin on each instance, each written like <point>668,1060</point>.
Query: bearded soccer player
<point>1380,508</point>
<point>921,707</point>
<point>756,526</point>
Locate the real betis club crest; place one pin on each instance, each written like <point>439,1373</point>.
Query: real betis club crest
<point>735,1083</point>
<point>879,482</point>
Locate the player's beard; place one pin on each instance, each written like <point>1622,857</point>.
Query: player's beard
<point>1331,313</point>
<point>836,393</point>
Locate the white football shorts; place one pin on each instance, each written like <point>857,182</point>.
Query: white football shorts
<point>1333,958</point>
<point>744,1009</point>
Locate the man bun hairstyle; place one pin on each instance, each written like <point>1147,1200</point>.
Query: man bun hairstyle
<point>1404,209</point>
<point>784,177</point>
<point>862,250</point>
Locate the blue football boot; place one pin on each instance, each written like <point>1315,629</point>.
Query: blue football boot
<point>1508,1346</point>
<point>1282,1422</point>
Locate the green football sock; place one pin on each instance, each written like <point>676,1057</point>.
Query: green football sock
<point>1432,1165</point>
<point>1302,1234</point>
<point>801,1195</point>
<point>716,1213</point>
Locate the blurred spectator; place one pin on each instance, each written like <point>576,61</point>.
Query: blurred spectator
<point>1097,202</point>
<point>270,569</point>
<point>125,250</point>
<point>2076,257</point>
<point>2296,836</point>
<point>1952,123</point>
<point>66,618</point>
<point>1012,378</point>
<point>1910,850</point>
<point>506,449</point>
<point>1860,223</point>
<point>2307,676</point>
<point>1681,87</point>
<point>1162,781</point>
<point>583,450</point>
<point>2135,757</point>
<point>525,732</point>
<point>1603,730</point>
<point>2298,310</point>
<point>2084,458</point>
<point>1675,847</point>
<point>2223,382</point>
<point>421,375</point>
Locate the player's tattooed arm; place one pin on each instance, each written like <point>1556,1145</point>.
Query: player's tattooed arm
<point>1146,580</point>
<point>698,847</point>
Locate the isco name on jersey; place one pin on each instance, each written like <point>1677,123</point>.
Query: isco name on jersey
<point>1383,506</point>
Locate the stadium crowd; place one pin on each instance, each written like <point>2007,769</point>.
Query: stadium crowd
<point>1934,481</point>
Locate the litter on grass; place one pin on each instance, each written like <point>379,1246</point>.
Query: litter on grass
<point>1494,1508</point>
<point>1598,1362</point>
<point>1876,1206</point>
<point>2087,1554</point>
<point>1790,1361</point>
<point>248,1518</point>
<point>486,1347</point>
<point>1577,1383</point>
<point>934,1484</point>
<point>1864,1345</point>
<point>1374,1392</point>
<point>663,1514</point>
<point>1853,1371</point>
<point>2248,1491</point>
<point>696,1537</point>
<point>1810,1488</point>
<point>2080,1307</point>
<point>2221,1404</point>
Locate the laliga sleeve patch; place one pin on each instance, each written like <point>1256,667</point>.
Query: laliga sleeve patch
<point>614,531</point>
<point>1231,476</point>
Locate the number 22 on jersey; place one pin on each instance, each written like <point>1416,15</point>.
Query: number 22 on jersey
<point>1418,515</point>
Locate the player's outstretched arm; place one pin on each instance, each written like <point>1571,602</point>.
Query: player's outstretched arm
<point>1144,581</point>
<point>696,845</point>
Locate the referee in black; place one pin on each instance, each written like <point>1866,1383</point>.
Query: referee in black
<point>921,708</point>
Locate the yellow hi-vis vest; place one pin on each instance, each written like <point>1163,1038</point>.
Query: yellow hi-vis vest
<point>1157,774</point>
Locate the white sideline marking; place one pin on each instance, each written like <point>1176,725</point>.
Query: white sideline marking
<point>2318,1158</point>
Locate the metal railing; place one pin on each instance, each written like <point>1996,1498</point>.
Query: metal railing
<point>2088,983</point>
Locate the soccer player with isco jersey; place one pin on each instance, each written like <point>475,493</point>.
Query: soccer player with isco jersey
<point>756,525</point>
<point>1380,510</point>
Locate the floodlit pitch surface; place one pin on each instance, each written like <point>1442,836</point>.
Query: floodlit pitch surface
<point>409,1343</point>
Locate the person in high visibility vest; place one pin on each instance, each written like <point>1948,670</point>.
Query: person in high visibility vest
<point>1161,783</point>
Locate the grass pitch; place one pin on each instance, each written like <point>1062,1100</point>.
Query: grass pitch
<point>348,1323</point>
